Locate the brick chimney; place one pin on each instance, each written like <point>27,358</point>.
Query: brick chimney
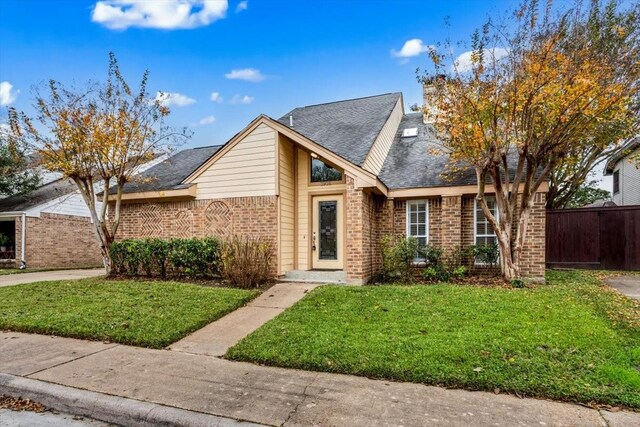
<point>429,91</point>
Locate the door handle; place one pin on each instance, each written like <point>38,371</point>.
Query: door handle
<point>313,242</point>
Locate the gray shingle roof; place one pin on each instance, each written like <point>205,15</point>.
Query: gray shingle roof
<point>169,174</point>
<point>347,128</point>
<point>419,161</point>
<point>42,194</point>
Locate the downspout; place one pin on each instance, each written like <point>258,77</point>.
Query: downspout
<point>23,235</point>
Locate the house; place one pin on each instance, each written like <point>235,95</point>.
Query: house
<point>51,226</point>
<point>48,228</point>
<point>625,168</point>
<point>323,184</point>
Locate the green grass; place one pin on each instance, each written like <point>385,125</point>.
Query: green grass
<point>572,339</point>
<point>149,314</point>
<point>6,271</point>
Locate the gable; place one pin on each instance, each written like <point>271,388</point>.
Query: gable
<point>381,146</point>
<point>246,168</point>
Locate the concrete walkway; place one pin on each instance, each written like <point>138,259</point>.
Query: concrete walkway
<point>217,337</point>
<point>209,386</point>
<point>627,285</point>
<point>39,276</point>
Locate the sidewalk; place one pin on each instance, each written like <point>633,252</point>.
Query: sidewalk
<point>39,276</point>
<point>266,395</point>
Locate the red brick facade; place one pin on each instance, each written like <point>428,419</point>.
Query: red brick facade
<point>241,216</point>
<point>368,218</point>
<point>58,241</point>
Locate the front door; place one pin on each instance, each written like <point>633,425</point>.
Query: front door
<point>326,235</point>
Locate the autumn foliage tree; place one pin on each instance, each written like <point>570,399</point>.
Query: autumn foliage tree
<point>543,89</point>
<point>99,137</point>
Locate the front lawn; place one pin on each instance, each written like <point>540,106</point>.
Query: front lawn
<point>572,339</point>
<point>149,314</point>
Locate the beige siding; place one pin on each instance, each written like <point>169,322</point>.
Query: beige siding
<point>382,145</point>
<point>303,210</point>
<point>286,184</point>
<point>248,169</point>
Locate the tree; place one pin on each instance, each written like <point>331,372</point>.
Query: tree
<point>586,194</point>
<point>99,137</point>
<point>541,90</point>
<point>17,176</point>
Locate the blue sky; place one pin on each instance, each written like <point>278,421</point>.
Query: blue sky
<point>290,53</point>
<point>307,51</point>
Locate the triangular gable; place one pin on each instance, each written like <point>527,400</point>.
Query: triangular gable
<point>365,178</point>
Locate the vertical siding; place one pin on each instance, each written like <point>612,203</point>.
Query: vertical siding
<point>286,191</point>
<point>629,181</point>
<point>382,145</point>
<point>248,169</point>
<point>303,210</point>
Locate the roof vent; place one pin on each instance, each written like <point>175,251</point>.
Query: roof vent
<point>406,133</point>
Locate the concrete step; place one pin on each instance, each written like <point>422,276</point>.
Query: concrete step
<point>315,276</point>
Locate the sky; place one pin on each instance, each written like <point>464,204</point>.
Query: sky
<point>220,64</point>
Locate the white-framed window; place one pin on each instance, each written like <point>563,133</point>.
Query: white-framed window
<point>483,232</point>
<point>418,222</point>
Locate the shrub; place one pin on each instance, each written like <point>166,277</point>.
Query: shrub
<point>486,254</point>
<point>246,262</point>
<point>398,254</point>
<point>159,254</point>
<point>431,254</point>
<point>118,253</point>
<point>446,266</point>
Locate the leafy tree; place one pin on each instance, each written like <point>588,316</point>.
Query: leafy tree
<point>541,89</point>
<point>99,137</point>
<point>17,176</point>
<point>586,194</point>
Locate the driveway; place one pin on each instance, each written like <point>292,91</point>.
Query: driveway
<point>627,285</point>
<point>39,276</point>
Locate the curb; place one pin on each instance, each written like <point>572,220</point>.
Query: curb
<point>111,409</point>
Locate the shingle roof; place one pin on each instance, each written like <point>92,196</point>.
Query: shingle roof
<point>169,174</point>
<point>347,128</point>
<point>42,194</point>
<point>628,148</point>
<point>419,161</point>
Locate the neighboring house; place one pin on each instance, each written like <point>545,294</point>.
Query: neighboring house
<point>625,169</point>
<point>51,226</point>
<point>323,184</point>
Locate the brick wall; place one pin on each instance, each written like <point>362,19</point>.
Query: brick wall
<point>58,241</point>
<point>242,216</point>
<point>451,225</point>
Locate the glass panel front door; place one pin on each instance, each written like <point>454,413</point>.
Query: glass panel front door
<point>327,229</point>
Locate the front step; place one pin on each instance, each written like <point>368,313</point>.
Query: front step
<point>315,276</point>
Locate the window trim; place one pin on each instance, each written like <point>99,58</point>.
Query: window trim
<point>475,228</point>
<point>616,182</point>
<point>408,222</point>
<point>323,183</point>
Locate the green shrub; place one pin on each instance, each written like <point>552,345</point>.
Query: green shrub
<point>448,265</point>
<point>118,253</point>
<point>158,250</point>
<point>246,262</point>
<point>486,254</point>
<point>431,254</point>
<point>398,255</point>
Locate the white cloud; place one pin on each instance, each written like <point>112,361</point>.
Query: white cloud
<point>179,100</point>
<point>243,5</point>
<point>204,121</point>
<point>464,63</point>
<point>216,97</point>
<point>239,99</point>
<point>7,94</point>
<point>163,14</point>
<point>413,47</point>
<point>248,74</point>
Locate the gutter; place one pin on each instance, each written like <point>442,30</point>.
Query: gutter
<point>23,232</point>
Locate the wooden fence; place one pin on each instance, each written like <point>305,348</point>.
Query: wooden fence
<point>606,238</point>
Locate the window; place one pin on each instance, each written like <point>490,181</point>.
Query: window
<point>616,182</point>
<point>483,231</point>
<point>322,172</point>
<point>418,222</point>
